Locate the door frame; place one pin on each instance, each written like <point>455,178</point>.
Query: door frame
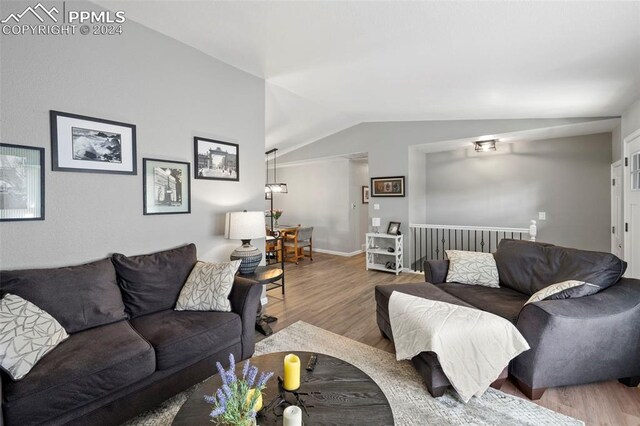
<point>627,189</point>
<point>614,220</point>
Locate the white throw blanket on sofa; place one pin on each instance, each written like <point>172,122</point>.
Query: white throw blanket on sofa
<point>473,346</point>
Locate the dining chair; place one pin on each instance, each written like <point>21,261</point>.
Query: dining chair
<point>296,242</point>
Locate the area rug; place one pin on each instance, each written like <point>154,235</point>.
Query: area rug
<point>410,401</point>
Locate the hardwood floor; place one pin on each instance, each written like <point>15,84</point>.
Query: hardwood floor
<point>337,294</point>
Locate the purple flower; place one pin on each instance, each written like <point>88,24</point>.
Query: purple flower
<point>227,391</point>
<point>232,362</point>
<point>217,411</point>
<point>231,377</point>
<point>210,399</point>
<point>245,369</point>
<point>222,399</point>
<point>264,377</point>
<point>222,373</point>
<point>253,372</point>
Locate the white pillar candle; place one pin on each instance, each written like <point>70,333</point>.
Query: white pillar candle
<point>292,416</point>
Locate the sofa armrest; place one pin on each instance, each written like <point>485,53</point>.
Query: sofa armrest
<point>582,340</point>
<point>245,298</point>
<point>435,271</point>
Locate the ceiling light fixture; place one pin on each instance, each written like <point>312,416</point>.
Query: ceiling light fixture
<point>486,146</point>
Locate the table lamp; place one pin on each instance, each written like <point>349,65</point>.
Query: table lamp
<point>375,222</point>
<point>245,226</point>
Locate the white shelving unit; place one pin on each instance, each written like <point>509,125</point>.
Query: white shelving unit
<point>378,254</point>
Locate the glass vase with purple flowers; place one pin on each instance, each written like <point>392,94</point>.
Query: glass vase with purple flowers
<point>240,398</point>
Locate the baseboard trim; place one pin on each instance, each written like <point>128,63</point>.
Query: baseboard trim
<point>338,253</point>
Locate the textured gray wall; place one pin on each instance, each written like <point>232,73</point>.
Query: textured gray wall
<point>171,92</point>
<point>568,178</point>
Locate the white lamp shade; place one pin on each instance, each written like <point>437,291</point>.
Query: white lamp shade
<point>244,225</point>
<point>375,221</point>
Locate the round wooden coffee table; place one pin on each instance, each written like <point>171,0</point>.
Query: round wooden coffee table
<point>336,393</point>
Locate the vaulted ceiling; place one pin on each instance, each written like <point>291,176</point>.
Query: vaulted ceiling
<point>330,65</point>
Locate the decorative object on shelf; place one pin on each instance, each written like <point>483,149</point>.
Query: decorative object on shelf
<point>94,145</point>
<point>292,416</point>
<point>275,215</point>
<point>365,195</point>
<point>485,146</point>
<point>392,186</point>
<point>389,259</point>
<point>166,186</point>
<point>245,226</point>
<point>21,183</point>
<point>375,223</point>
<point>239,399</point>
<point>216,160</point>
<point>273,187</point>
<point>291,372</point>
<point>393,228</point>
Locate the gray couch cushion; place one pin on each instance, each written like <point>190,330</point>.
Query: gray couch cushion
<point>78,297</point>
<point>152,282</point>
<point>502,301</point>
<point>87,366</point>
<point>182,336</point>
<point>528,266</point>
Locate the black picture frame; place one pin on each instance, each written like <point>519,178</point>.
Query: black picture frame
<point>393,228</point>
<point>30,188</point>
<point>203,160</point>
<point>365,194</point>
<point>390,186</point>
<point>153,201</point>
<point>114,154</point>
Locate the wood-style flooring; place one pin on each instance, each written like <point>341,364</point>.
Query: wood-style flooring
<point>337,294</point>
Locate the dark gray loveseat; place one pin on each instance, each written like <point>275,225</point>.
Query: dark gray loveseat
<point>573,341</point>
<point>128,349</point>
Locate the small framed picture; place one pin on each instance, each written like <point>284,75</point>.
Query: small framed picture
<point>166,186</point>
<point>394,228</point>
<point>21,182</point>
<point>92,145</point>
<point>216,160</point>
<point>387,186</point>
<point>365,195</point>
<point>268,195</point>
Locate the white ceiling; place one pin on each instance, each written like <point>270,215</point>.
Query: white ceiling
<point>330,65</point>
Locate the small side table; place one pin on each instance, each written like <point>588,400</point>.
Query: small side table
<point>265,275</point>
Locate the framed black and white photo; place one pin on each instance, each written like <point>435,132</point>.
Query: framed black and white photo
<point>365,195</point>
<point>166,186</point>
<point>93,145</point>
<point>393,228</point>
<point>387,186</point>
<point>216,160</point>
<point>21,182</point>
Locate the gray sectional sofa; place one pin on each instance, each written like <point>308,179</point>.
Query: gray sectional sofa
<point>128,349</point>
<point>573,341</point>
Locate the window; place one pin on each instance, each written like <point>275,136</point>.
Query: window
<point>635,171</point>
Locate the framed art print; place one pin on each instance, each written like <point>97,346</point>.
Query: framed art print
<point>21,182</point>
<point>216,160</point>
<point>387,186</point>
<point>92,145</point>
<point>365,195</point>
<point>166,186</point>
<point>393,228</point>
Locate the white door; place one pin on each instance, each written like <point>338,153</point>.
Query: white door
<point>632,205</point>
<point>617,210</point>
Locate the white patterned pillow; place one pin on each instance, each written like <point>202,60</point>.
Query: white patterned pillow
<point>208,287</point>
<point>472,267</point>
<point>27,333</point>
<point>561,291</point>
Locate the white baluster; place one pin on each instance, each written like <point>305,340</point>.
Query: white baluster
<point>533,231</point>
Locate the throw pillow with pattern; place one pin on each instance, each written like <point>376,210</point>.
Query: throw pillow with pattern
<point>564,290</point>
<point>208,287</point>
<point>472,267</point>
<point>27,334</point>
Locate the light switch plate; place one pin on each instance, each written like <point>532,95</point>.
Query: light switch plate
<point>542,215</point>
<point>376,206</point>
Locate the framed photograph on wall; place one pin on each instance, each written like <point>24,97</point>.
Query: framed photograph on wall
<point>216,160</point>
<point>387,186</point>
<point>92,145</point>
<point>393,228</point>
<point>365,195</point>
<point>166,186</point>
<point>21,183</point>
